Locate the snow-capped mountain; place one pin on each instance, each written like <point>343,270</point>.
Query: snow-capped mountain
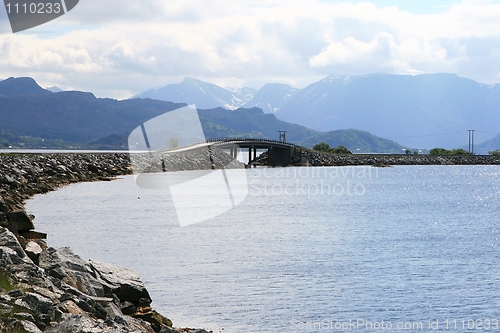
<point>272,97</point>
<point>423,111</point>
<point>54,89</point>
<point>203,94</point>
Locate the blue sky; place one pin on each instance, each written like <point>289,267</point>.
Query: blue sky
<point>117,48</point>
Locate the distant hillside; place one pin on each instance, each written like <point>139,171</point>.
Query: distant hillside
<point>21,86</point>
<point>489,145</point>
<point>356,141</point>
<point>423,111</point>
<point>244,121</point>
<point>70,116</point>
<point>255,123</point>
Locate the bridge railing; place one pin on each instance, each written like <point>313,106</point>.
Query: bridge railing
<point>236,140</point>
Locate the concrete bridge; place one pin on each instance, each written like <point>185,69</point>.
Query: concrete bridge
<point>279,152</point>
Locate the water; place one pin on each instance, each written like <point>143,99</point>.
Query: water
<point>413,249</point>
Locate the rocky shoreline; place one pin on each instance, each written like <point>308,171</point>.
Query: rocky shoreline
<point>308,157</point>
<point>43,289</point>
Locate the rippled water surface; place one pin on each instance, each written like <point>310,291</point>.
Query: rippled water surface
<point>310,249</point>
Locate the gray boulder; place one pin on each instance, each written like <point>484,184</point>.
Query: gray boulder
<point>26,327</point>
<point>20,221</point>
<point>37,303</point>
<point>8,239</point>
<point>122,282</point>
<point>33,250</point>
<point>82,323</point>
<point>68,267</point>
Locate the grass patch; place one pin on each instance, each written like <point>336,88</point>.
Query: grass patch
<point>5,282</point>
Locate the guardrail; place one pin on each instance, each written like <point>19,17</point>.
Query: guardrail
<point>236,140</point>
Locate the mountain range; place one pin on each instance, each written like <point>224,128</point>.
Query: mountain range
<point>33,117</point>
<point>270,98</point>
<point>203,94</point>
<point>422,111</point>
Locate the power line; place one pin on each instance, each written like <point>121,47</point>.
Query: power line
<point>423,136</point>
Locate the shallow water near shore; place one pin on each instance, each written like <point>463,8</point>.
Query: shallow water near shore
<point>310,249</point>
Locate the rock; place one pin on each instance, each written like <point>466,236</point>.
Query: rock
<point>123,282</point>
<point>113,311</point>
<point>33,235</point>
<point>38,303</point>
<point>80,323</point>
<point>8,239</point>
<point>70,307</point>
<point>33,250</point>
<point>4,222</point>
<point>24,316</point>
<point>25,326</point>
<point>63,257</point>
<point>16,293</point>
<point>99,311</point>
<point>166,329</point>
<point>8,180</point>
<point>3,205</point>
<point>63,264</point>
<point>151,316</point>
<point>127,308</point>
<point>20,221</point>
<point>83,323</point>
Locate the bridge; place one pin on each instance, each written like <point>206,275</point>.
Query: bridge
<point>279,152</point>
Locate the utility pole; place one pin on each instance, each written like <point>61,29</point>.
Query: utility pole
<point>471,141</point>
<point>282,136</point>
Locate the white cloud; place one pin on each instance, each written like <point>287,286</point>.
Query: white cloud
<point>119,47</point>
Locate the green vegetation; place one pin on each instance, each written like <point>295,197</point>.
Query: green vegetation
<point>5,283</point>
<point>325,147</point>
<point>494,152</point>
<point>409,152</point>
<point>443,151</point>
<point>355,140</point>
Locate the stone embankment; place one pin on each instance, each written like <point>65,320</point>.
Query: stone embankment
<point>309,157</point>
<point>43,289</point>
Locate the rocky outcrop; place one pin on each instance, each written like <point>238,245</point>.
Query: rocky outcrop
<point>43,289</point>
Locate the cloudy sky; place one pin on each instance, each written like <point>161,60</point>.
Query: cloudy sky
<point>117,48</point>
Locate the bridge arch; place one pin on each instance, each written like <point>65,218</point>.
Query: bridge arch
<point>279,152</point>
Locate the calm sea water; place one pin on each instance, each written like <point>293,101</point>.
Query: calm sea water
<point>413,249</point>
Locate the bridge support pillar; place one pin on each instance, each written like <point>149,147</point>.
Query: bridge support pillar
<point>279,156</point>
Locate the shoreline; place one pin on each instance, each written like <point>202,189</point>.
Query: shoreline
<point>43,289</point>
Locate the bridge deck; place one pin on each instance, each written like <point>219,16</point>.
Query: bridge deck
<point>279,152</point>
